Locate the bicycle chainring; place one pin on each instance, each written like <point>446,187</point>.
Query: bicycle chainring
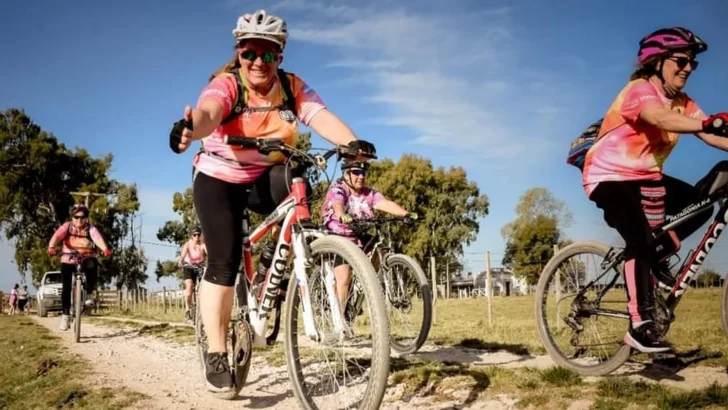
<point>662,316</point>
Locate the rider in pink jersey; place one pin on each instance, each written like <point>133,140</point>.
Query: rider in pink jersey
<point>351,199</point>
<point>228,179</point>
<point>77,236</point>
<point>192,255</point>
<point>623,170</point>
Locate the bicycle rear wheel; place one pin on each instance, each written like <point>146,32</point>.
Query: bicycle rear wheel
<point>375,376</point>
<point>570,319</point>
<point>395,301</point>
<point>77,310</point>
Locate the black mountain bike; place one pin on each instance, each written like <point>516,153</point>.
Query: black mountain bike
<point>592,298</point>
<point>199,269</point>
<point>78,293</point>
<point>401,292</point>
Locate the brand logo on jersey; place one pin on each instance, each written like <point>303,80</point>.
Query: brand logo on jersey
<point>287,115</point>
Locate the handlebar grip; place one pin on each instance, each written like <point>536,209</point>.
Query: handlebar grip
<point>240,141</point>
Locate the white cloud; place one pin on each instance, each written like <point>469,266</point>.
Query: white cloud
<point>453,78</point>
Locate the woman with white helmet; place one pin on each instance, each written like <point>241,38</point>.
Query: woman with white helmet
<point>227,179</point>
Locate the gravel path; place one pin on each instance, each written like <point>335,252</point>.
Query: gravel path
<point>170,373</point>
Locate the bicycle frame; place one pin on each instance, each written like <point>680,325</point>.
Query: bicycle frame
<point>696,256</point>
<point>292,237</point>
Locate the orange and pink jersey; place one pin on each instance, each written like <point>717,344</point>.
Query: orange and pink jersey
<point>81,241</point>
<point>628,148</point>
<point>249,164</point>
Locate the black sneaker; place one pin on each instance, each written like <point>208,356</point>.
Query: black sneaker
<point>217,371</point>
<point>647,339</point>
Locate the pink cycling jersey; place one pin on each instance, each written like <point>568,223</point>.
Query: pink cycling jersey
<point>81,241</point>
<point>195,254</point>
<point>358,205</point>
<point>629,148</point>
<point>249,163</point>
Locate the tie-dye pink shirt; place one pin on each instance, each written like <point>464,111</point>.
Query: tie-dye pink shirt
<point>81,241</point>
<point>628,148</point>
<point>264,124</point>
<point>358,205</point>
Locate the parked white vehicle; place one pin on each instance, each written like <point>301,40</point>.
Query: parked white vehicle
<point>49,293</point>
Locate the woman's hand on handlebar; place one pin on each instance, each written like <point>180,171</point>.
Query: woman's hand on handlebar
<point>716,124</point>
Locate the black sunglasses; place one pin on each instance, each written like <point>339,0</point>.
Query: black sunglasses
<point>195,234</point>
<point>267,56</point>
<point>358,172</point>
<point>79,216</point>
<point>682,62</point>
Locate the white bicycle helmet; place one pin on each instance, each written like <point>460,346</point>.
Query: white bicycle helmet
<point>261,25</point>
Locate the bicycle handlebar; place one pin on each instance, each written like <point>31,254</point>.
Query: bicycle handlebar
<point>268,145</point>
<point>366,223</point>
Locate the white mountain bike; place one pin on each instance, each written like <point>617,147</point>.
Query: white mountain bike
<point>305,245</point>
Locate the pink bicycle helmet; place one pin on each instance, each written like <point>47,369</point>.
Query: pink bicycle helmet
<point>667,40</point>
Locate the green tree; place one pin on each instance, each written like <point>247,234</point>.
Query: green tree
<point>530,238</point>
<point>37,174</point>
<point>709,277</point>
<point>448,203</point>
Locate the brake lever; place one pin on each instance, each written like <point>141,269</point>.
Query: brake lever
<point>320,162</point>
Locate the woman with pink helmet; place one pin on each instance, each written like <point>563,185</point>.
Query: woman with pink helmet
<point>623,170</point>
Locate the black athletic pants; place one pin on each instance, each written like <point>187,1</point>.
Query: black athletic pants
<point>220,206</point>
<point>68,270</point>
<point>633,208</point>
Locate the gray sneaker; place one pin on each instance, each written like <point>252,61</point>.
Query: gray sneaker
<point>65,322</point>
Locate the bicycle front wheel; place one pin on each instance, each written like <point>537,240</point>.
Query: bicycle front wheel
<point>371,374</point>
<point>77,310</point>
<point>401,297</point>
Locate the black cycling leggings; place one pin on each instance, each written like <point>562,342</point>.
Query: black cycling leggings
<point>219,206</point>
<point>68,270</point>
<point>633,208</point>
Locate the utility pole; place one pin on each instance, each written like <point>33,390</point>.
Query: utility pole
<point>140,230</point>
<point>488,287</point>
<point>86,196</point>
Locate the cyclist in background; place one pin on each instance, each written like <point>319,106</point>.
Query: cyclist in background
<point>623,170</point>
<point>346,200</point>
<point>77,235</point>
<point>193,254</point>
<point>228,179</point>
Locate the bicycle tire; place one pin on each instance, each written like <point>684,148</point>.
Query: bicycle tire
<point>356,258</point>
<point>426,299</point>
<point>724,309</point>
<point>616,360</point>
<point>77,311</point>
<point>200,337</point>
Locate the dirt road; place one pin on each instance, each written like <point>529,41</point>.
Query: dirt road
<point>170,373</point>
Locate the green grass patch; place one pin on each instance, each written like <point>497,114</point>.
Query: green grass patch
<point>36,374</point>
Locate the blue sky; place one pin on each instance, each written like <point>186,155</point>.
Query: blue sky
<point>497,87</point>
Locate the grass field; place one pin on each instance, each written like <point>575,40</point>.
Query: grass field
<point>513,326</point>
<point>35,373</point>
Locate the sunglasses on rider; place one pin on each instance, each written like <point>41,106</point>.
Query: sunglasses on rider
<point>267,56</point>
<point>357,172</point>
<point>79,216</point>
<point>682,62</point>
<point>194,235</point>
